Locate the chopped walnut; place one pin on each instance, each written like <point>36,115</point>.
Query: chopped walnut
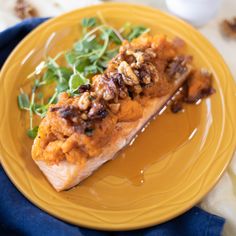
<point>104,88</point>
<point>84,101</point>
<point>177,66</point>
<point>68,112</point>
<point>138,56</point>
<point>24,10</point>
<point>110,92</point>
<point>117,78</point>
<point>228,28</point>
<point>72,115</point>
<point>129,76</point>
<point>146,78</point>
<point>97,111</point>
<point>84,116</point>
<point>149,54</point>
<point>114,107</point>
<point>149,72</point>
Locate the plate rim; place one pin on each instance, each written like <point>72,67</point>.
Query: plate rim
<point>115,227</point>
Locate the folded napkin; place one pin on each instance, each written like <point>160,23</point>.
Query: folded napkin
<point>19,217</point>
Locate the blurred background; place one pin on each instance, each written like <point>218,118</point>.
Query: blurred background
<point>215,19</point>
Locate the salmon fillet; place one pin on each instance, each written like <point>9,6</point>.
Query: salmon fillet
<point>65,174</point>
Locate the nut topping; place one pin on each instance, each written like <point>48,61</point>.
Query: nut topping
<point>133,73</point>
<point>177,66</point>
<point>114,107</point>
<point>83,88</point>
<point>104,88</point>
<point>97,111</point>
<point>84,116</point>
<point>84,101</point>
<point>138,56</point>
<point>129,76</point>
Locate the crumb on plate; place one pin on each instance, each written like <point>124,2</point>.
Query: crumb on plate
<point>24,10</point>
<point>228,27</point>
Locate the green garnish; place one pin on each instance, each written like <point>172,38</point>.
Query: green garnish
<point>89,22</point>
<point>136,31</point>
<point>23,101</point>
<point>76,80</point>
<point>32,133</point>
<point>89,56</point>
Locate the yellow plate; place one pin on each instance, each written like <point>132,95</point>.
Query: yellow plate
<point>168,169</point>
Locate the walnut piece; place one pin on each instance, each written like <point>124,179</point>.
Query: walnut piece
<point>84,101</point>
<point>24,10</point>
<point>138,56</point>
<point>228,28</point>
<point>129,77</point>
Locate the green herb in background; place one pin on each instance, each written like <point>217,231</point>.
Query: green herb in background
<point>88,22</point>
<point>23,101</point>
<point>89,56</point>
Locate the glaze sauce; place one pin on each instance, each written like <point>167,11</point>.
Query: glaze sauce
<point>165,134</point>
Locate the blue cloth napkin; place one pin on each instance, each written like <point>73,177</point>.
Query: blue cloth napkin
<point>19,217</point>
